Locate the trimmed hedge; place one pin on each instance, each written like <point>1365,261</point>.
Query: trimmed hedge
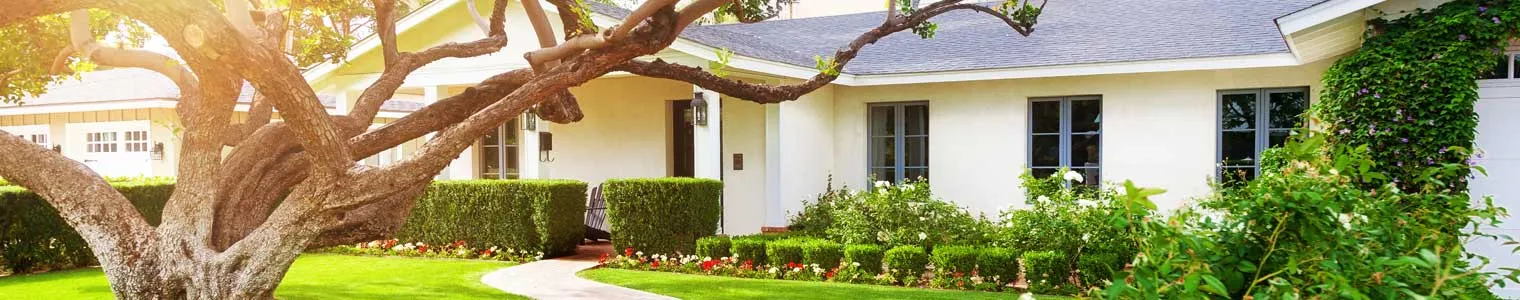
<point>662,215</point>
<point>33,236</point>
<point>716,246</point>
<point>906,262</point>
<point>1046,268</point>
<point>750,248</point>
<point>825,254</point>
<point>954,259</point>
<point>785,251</point>
<point>1000,262</point>
<point>869,257</point>
<point>542,215</point>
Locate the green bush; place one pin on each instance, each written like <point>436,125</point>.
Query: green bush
<point>954,259</point>
<point>825,254</point>
<point>867,255</point>
<point>716,246</point>
<point>780,252</point>
<point>906,263</point>
<point>662,215</point>
<point>892,215</point>
<point>33,236</point>
<point>1095,268</point>
<point>1046,269</point>
<point>751,248</point>
<point>1001,263</point>
<point>539,215</point>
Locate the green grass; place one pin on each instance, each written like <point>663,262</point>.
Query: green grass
<point>695,287</point>
<point>313,276</point>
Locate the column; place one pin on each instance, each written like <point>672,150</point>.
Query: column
<point>529,164</point>
<point>774,216</point>
<point>708,139</point>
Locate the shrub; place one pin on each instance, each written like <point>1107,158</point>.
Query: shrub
<point>954,259</point>
<point>714,246</point>
<point>1095,268</point>
<point>903,214</point>
<point>823,253</point>
<point>906,263</point>
<point>868,256</point>
<point>1046,269</point>
<point>540,215</point>
<point>662,215</point>
<point>816,216</point>
<point>750,248</point>
<point>782,252</point>
<point>33,236</point>
<point>1066,220</point>
<point>1001,263</point>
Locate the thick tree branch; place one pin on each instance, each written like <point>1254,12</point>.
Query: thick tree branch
<point>24,10</point>
<point>385,22</point>
<point>373,97</point>
<point>239,14</point>
<point>765,93</point>
<point>86,46</point>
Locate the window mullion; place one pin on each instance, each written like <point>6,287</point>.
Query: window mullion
<point>1263,130</point>
<point>899,160</point>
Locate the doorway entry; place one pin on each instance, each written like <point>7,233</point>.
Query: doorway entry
<point>683,158</point>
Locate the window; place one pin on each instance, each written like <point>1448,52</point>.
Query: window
<point>1066,132</point>
<point>1505,67</point>
<point>100,142</point>
<point>498,152</point>
<point>40,139</point>
<point>386,158</point>
<point>899,141</point>
<point>1253,120</point>
<point>137,141</point>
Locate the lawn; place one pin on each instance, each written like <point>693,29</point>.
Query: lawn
<point>696,287</point>
<point>314,276</point>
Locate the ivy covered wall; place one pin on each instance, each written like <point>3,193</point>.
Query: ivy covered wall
<point>1408,92</point>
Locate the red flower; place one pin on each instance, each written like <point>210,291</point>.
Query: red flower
<point>628,252</point>
<point>830,274</point>
<point>959,275</point>
<point>458,244</point>
<point>603,260</point>
<point>748,265</point>
<point>422,249</point>
<point>708,265</point>
<point>486,252</point>
<point>654,264</point>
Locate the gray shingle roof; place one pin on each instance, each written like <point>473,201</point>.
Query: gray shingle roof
<point>1069,32</point>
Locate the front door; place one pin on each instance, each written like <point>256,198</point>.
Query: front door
<point>683,161</point>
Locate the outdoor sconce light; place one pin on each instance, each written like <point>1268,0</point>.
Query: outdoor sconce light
<point>699,109</point>
<point>58,148</point>
<point>530,121</point>
<point>158,151</point>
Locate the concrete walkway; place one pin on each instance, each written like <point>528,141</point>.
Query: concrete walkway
<point>555,279</point>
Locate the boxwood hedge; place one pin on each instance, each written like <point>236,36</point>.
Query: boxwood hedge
<point>541,215</point>
<point>33,236</point>
<point>662,215</point>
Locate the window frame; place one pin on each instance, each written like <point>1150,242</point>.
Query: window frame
<point>502,151</point>
<point>899,137</point>
<point>1261,128</point>
<point>1064,134</point>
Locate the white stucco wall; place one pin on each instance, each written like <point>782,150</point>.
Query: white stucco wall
<point>626,131</point>
<point>805,149</point>
<point>743,190</point>
<point>1158,129</point>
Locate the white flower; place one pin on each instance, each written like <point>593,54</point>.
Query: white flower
<point>922,235</point>
<point>773,270</point>
<point>1026,296</point>
<point>1074,176</point>
<point>1086,203</point>
<point>907,187</point>
<point>881,184</point>
<point>855,264</point>
<point>640,253</point>
<point>707,258</point>
<point>1042,198</point>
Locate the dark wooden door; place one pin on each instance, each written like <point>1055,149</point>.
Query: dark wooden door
<point>684,161</point>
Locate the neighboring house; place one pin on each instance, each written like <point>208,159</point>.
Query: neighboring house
<point>121,122</point>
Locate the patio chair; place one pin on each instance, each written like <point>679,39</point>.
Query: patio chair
<point>596,217</point>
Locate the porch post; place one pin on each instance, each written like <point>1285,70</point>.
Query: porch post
<point>528,160</point>
<point>708,139</point>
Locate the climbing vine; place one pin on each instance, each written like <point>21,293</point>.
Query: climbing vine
<point>1408,93</point>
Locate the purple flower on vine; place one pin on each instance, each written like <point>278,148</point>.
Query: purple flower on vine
<point>1430,161</point>
<point>1482,9</point>
<point>1462,37</point>
<point>1362,92</point>
<point>1401,164</point>
<point>1345,131</point>
<point>1496,20</point>
<point>1472,162</point>
<point>1443,151</point>
<point>1404,140</point>
<point>1376,95</point>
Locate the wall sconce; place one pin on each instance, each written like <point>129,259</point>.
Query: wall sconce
<point>158,151</point>
<point>58,148</point>
<point>699,109</point>
<point>530,121</point>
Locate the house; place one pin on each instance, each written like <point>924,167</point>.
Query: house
<point>121,122</point>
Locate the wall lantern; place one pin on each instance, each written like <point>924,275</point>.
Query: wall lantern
<point>158,151</point>
<point>530,121</point>
<point>58,148</point>
<point>699,109</point>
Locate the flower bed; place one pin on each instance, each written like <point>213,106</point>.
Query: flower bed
<point>457,249</point>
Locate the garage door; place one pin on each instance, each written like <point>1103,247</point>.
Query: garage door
<point>1499,142</point>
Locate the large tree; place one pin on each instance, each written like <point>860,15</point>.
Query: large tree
<point>252,195</point>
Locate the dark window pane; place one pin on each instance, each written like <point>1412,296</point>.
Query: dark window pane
<point>883,152</point>
<point>884,174</point>
<point>916,151</point>
<point>1045,151</point>
<point>1277,137</point>
<point>1042,172</point>
<point>917,119</point>
<point>511,155</point>
<point>511,132</point>
<point>883,121</point>
<point>1239,148</point>
<point>490,161</point>
<point>1086,115</point>
<point>916,174</point>
<point>1046,117</point>
<point>1287,109</point>
<point>1235,176</point>
<point>1084,150</point>
<point>1238,111</point>
<point>1515,65</point>
<point>1089,176</point>
<point>1501,69</point>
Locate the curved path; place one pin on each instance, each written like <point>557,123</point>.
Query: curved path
<point>555,279</point>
